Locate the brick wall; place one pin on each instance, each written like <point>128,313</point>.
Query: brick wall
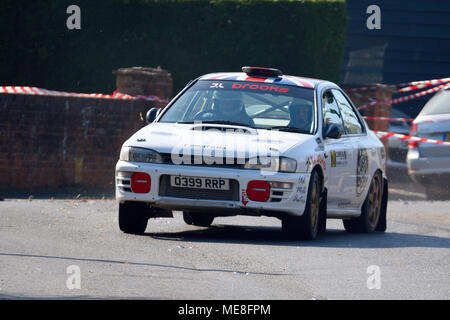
<point>144,81</point>
<point>56,142</point>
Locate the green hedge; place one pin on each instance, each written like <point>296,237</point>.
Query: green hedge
<point>188,38</point>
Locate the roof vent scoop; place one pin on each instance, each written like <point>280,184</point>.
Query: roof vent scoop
<point>262,72</point>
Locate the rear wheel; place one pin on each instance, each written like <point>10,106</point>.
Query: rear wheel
<point>370,213</point>
<point>198,219</point>
<point>306,226</point>
<point>133,217</point>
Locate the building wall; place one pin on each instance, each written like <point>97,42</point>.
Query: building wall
<point>56,142</point>
<point>413,44</point>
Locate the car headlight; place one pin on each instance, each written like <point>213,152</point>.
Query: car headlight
<point>140,155</point>
<point>287,165</point>
<point>281,164</point>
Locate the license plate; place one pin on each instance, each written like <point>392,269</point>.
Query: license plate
<point>200,183</point>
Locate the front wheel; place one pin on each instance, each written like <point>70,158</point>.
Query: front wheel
<point>306,226</point>
<point>133,217</point>
<point>370,213</point>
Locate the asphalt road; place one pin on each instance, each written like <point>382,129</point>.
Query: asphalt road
<point>237,258</point>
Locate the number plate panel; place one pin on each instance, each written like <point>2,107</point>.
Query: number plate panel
<point>200,183</point>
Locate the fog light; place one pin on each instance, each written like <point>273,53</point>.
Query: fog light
<point>124,174</point>
<point>258,190</point>
<point>140,182</point>
<point>281,185</point>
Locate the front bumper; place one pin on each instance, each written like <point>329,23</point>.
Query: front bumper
<point>282,201</point>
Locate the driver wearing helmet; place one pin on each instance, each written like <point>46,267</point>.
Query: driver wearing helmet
<point>300,117</point>
<point>227,106</point>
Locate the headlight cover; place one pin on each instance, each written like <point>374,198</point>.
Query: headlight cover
<point>281,164</point>
<point>287,165</point>
<point>133,154</point>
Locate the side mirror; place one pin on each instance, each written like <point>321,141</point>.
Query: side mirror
<point>333,131</point>
<point>152,114</point>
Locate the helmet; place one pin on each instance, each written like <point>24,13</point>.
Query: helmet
<point>227,102</point>
<point>300,115</point>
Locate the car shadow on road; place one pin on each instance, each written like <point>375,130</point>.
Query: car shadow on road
<point>332,238</point>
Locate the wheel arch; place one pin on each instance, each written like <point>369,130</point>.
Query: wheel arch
<point>318,168</point>
<point>378,170</point>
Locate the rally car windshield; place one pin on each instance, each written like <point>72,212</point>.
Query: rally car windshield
<point>252,104</point>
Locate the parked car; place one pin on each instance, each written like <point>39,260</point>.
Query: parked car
<point>429,164</point>
<point>398,149</point>
<point>255,143</point>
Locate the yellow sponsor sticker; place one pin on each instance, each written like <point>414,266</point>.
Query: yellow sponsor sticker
<point>333,158</point>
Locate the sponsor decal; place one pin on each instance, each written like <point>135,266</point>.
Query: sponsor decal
<point>338,158</point>
<point>333,158</point>
<point>313,160</point>
<point>262,87</point>
<point>301,190</point>
<point>217,85</point>
<point>362,168</point>
<point>244,197</point>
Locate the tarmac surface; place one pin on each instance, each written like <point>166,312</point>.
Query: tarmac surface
<point>73,249</point>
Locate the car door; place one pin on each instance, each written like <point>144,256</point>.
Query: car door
<point>342,159</point>
<point>363,149</point>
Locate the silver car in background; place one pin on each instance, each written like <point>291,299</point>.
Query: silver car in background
<point>429,164</point>
<point>398,149</point>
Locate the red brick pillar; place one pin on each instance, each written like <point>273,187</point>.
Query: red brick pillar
<point>144,81</point>
<point>381,93</point>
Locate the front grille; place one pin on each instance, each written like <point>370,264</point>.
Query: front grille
<point>202,194</point>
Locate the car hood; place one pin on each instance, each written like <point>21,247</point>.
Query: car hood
<point>171,138</point>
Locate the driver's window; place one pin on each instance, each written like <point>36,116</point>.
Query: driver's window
<point>331,112</point>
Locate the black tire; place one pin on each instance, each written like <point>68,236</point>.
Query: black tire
<point>306,226</point>
<point>133,217</point>
<point>323,213</point>
<point>382,223</point>
<point>198,219</point>
<point>367,222</point>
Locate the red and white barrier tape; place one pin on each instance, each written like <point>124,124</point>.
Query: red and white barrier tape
<point>360,96</point>
<point>423,83</point>
<point>419,94</point>
<point>406,98</point>
<point>420,84</point>
<point>404,137</point>
<point>40,91</point>
<point>389,119</point>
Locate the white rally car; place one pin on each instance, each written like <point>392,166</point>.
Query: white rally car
<point>255,143</point>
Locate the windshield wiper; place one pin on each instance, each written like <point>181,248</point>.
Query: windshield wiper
<point>233,123</point>
<point>290,129</point>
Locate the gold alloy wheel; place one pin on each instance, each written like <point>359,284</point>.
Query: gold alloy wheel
<point>374,201</point>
